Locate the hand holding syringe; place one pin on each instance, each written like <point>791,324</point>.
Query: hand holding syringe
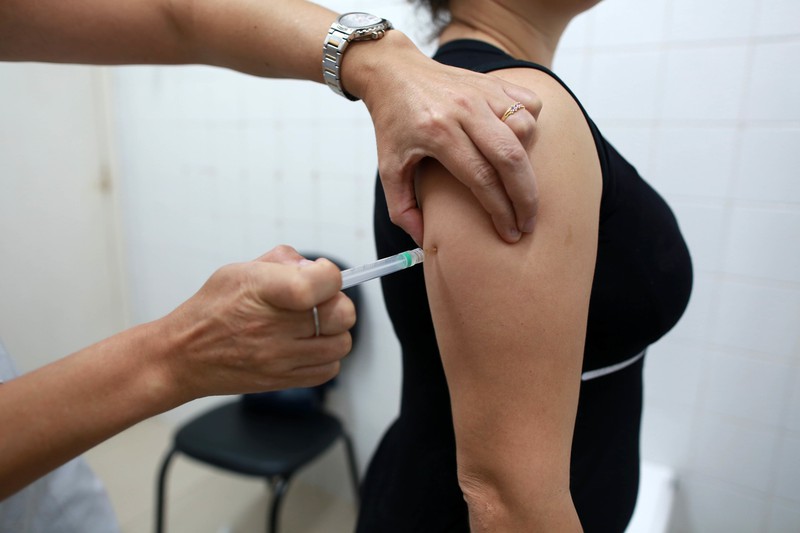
<point>382,267</point>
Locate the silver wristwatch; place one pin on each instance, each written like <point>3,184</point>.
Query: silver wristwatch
<point>348,28</point>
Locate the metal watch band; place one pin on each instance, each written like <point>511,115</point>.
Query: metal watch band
<point>336,42</point>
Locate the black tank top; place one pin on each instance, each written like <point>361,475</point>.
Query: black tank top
<point>641,286</point>
<point>643,273</point>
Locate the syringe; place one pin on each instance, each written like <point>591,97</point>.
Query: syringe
<point>381,267</point>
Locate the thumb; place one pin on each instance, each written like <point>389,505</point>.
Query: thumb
<point>296,287</point>
<point>401,200</point>
<point>283,254</point>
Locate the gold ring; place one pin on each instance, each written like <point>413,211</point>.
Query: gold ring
<point>511,110</point>
<point>316,321</point>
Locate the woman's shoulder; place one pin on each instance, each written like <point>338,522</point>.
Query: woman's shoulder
<point>565,153</point>
<point>550,89</point>
<point>564,136</point>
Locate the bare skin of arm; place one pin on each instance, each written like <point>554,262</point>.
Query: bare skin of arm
<point>511,322</point>
<point>419,107</point>
<point>248,329</point>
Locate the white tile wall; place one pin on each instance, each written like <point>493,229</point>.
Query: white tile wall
<point>773,82</point>
<point>703,84</point>
<point>704,227</point>
<point>791,417</point>
<point>757,318</point>
<point>783,517</point>
<point>703,99</point>
<point>634,100</point>
<point>777,17</point>
<point>711,19</point>
<point>624,23</point>
<point>768,165</point>
<point>735,452</point>
<point>667,432</point>
<point>678,377</point>
<point>699,315</point>
<point>767,384</point>
<point>708,505</point>
<point>760,243</point>
<point>787,482</point>
<point>695,162</point>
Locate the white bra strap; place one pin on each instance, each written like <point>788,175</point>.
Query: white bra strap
<point>606,370</point>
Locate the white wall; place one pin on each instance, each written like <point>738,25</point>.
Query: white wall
<point>60,276</point>
<point>218,167</point>
<point>702,97</point>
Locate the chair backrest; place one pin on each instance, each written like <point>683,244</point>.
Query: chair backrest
<point>310,398</point>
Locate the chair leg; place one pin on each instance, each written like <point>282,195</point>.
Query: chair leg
<point>161,494</point>
<point>351,460</point>
<point>278,485</point>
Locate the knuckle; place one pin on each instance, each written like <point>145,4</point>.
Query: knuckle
<point>397,216</point>
<point>230,274</point>
<point>350,316</point>
<point>462,101</point>
<point>284,249</point>
<point>433,123</point>
<point>330,268</point>
<point>524,128</point>
<point>299,291</point>
<point>533,103</point>
<point>228,271</point>
<point>512,154</point>
<point>282,252</point>
<point>394,216</point>
<point>536,104</point>
<point>433,129</point>
<point>345,341</point>
<point>526,200</point>
<point>331,371</point>
<point>387,170</point>
<point>321,374</point>
<point>337,347</point>
<point>344,312</point>
<point>484,177</point>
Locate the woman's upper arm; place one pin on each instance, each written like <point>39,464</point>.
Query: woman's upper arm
<point>511,319</point>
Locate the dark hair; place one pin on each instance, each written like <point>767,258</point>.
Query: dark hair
<point>439,10</point>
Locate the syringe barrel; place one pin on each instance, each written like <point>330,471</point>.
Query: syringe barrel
<point>382,267</point>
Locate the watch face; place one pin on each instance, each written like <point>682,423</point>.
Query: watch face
<point>358,20</point>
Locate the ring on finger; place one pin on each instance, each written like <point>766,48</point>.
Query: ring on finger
<point>315,312</point>
<point>516,106</point>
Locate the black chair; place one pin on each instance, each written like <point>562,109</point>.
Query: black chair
<point>270,435</point>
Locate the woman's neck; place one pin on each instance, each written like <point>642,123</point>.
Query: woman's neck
<point>521,29</point>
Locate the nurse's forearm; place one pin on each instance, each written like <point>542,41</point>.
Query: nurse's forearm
<point>61,410</point>
<point>272,38</point>
<point>248,329</point>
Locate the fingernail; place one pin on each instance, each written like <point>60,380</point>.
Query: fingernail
<point>305,262</point>
<point>528,226</point>
<point>514,234</point>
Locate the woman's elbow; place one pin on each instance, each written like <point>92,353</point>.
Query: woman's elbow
<point>487,503</point>
<point>517,501</point>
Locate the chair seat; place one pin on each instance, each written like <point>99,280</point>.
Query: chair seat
<point>255,442</point>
